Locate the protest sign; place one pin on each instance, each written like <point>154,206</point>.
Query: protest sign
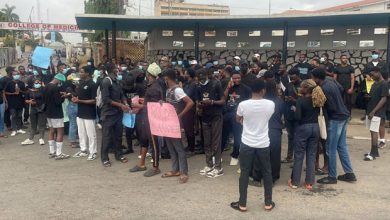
<point>163,120</point>
<point>41,57</point>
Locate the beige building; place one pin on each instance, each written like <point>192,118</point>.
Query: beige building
<point>180,8</point>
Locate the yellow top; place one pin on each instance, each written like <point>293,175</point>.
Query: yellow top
<point>369,84</point>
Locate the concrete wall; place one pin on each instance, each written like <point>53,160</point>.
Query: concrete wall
<point>7,56</point>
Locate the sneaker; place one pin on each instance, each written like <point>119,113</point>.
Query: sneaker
<point>369,157</point>
<point>239,171</point>
<point>205,170</point>
<point>291,184</point>
<point>62,156</point>
<point>92,156</point>
<point>234,162</point>
<point>348,177</point>
<point>13,133</point>
<point>327,180</point>
<point>148,155</point>
<point>215,173</point>
<point>20,131</point>
<point>41,141</point>
<point>52,155</point>
<point>81,154</point>
<point>27,142</point>
<point>99,126</point>
<point>381,144</point>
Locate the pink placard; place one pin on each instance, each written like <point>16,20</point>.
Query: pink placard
<point>163,120</point>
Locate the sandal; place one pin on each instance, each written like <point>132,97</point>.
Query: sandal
<point>236,206</point>
<point>170,174</point>
<point>122,159</point>
<point>137,169</point>
<point>107,163</point>
<point>291,185</point>
<point>269,209</point>
<point>183,179</point>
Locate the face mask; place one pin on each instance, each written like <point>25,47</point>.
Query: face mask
<point>37,85</point>
<point>204,83</point>
<point>44,72</point>
<point>140,67</point>
<point>173,63</point>
<point>35,73</point>
<point>215,63</point>
<point>180,62</point>
<point>16,77</point>
<point>375,56</point>
<point>123,68</point>
<point>322,60</point>
<point>119,77</point>
<point>30,70</point>
<point>73,68</point>
<point>89,63</point>
<point>237,68</point>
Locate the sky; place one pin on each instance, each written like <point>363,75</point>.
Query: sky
<point>63,11</point>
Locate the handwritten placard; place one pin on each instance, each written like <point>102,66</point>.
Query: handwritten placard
<point>41,57</point>
<point>163,120</point>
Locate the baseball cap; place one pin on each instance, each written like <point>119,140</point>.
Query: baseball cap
<point>60,77</point>
<point>237,58</point>
<point>154,69</point>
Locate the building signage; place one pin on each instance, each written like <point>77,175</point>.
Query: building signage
<point>42,27</point>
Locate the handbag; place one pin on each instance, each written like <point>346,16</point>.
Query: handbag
<point>322,125</point>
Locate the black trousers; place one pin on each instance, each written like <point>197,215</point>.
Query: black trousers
<point>112,129</point>
<point>230,125</point>
<point>26,113</point>
<point>347,98</point>
<point>129,140</point>
<point>7,118</point>
<point>290,126</point>
<point>188,123</point>
<point>247,157</point>
<point>275,137</point>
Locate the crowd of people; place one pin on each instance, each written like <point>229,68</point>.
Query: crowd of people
<point>240,103</point>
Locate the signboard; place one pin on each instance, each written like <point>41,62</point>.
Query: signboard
<point>41,57</point>
<point>163,120</point>
<point>42,27</point>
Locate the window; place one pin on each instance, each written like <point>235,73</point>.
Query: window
<point>353,31</point>
<point>254,33</point>
<point>366,43</point>
<point>209,33</point>
<point>380,31</point>
<point>313,44</point>
<point>220,44</point>
<point>277,33</point>
<point>166,33</point>
<point>339,43</point>
<point>265,44</point>
<point>301,32</point>
<point>327,32</point>
<point>188,33</point>
<point>242,44</point>
<point>201,44</point>
<point>232,33</point>
<point>178,44</point>
<point>388,6</point>
<point>290,44</point>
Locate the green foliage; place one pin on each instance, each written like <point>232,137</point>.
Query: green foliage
<point>9,41</point>
<point>9,15</point>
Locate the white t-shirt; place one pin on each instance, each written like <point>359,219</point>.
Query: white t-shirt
<point>179,93</point>
<point>256,114</point>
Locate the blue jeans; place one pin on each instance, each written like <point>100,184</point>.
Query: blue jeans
<point>306,141</point>
<point>72,114</point>
<point>337,142</point>
<point>2,110</point>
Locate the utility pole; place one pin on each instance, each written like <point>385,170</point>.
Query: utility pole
<point>269,7</point>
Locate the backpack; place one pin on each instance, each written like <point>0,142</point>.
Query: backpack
<point>99,101</point>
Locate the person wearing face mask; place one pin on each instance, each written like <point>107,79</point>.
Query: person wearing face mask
<point>14,92</point>
<point>114,104</point>
<point>30,69</point>
<point>4,82</point>
<point>247,78</point>
<point>375,62</point>
<point>24,78</point>
<point>34,98</point>
<point>304,67</point>
<point>328,66</point>
<point>211,101</point>
<point>275,66</point>
<point>53,99</point>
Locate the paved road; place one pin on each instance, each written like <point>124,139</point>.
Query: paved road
<point>35,187</point>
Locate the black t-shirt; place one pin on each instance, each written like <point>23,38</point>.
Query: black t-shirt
<point>248,79</point>
<point>211,91</point>
<point>53,101</point>
<point>86,91</point>
<point>344,75</point>
<point>329,67</point>
<point>305,112</point>
<point>237,94</point>
<point>304,70</point>
<point>378,90</point>
<point>36,95</point>
<point>15,101</point>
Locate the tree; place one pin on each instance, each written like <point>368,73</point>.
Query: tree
<point>102,7</point>
<point>58,36</point>
<point>9,15</point>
